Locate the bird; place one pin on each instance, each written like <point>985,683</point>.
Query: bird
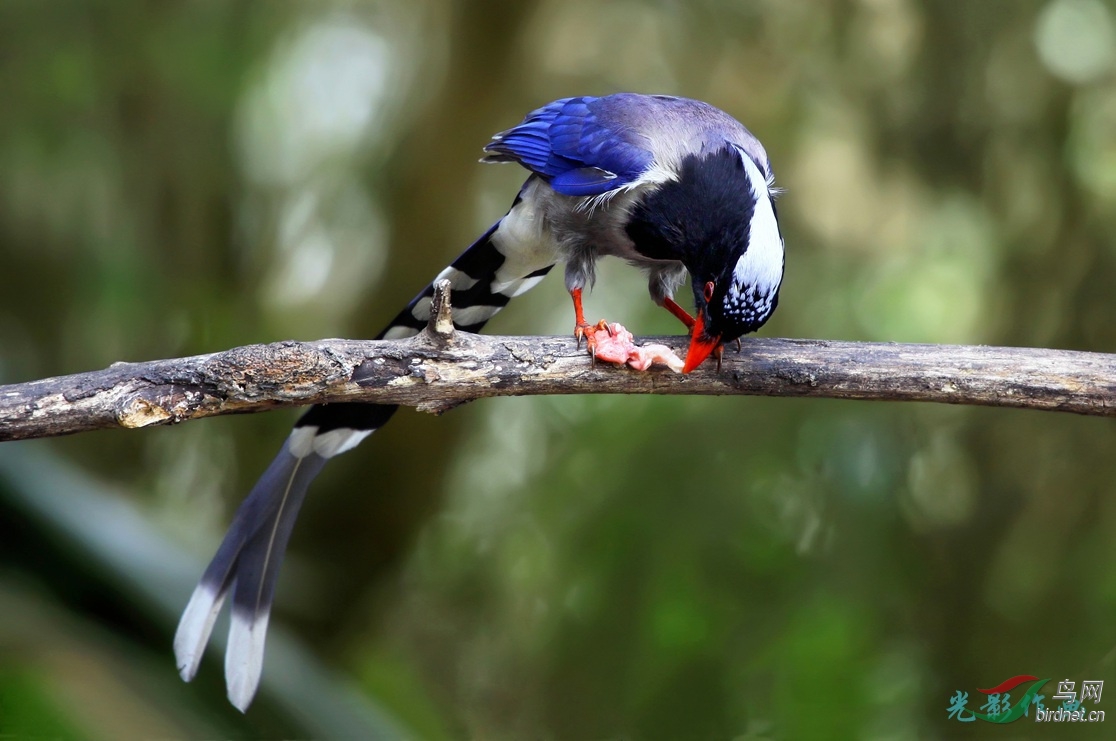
<point>671,185</point>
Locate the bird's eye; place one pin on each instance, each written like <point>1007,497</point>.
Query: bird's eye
<point>708,292</point>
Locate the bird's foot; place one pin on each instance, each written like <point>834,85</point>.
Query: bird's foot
<point>588,332</point>
<point>612,343</point>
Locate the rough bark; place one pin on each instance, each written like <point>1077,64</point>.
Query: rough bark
<point>440,368</point>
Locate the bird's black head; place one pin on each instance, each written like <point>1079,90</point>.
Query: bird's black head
<point>718,218</point>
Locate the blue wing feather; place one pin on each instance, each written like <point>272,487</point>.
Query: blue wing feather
<point>575,146</point>
<point>585,181</point>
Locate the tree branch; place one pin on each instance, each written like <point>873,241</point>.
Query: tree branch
<point>440,369</point>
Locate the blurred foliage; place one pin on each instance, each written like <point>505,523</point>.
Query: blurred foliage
<point>182,177</point>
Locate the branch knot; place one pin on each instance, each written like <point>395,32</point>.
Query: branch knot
<point>440,325</point>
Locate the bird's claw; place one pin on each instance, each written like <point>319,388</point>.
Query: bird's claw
<point>581,332</point>
<point>588,332</point>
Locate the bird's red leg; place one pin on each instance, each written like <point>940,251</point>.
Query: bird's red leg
<point>681,314</point>
<point>582,328</point>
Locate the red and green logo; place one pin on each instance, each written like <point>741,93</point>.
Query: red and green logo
<point>999,707</point>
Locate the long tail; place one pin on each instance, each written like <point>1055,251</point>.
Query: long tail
<point>509,259</point>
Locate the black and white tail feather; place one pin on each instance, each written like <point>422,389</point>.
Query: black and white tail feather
<point>508,260</point>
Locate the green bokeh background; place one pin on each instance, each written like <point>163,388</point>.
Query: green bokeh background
<point>184,177</point>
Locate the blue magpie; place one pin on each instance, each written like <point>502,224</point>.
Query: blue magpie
<point>670,185</point>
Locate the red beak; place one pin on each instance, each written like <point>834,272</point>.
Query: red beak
<point>701,346</point>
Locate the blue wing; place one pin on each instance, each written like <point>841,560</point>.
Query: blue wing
<point>576,146</point>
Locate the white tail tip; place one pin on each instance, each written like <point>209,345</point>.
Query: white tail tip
<point>195,627</point>
<point>244,658</point>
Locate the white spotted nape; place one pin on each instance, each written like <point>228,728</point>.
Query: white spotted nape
<point>759,271</point>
